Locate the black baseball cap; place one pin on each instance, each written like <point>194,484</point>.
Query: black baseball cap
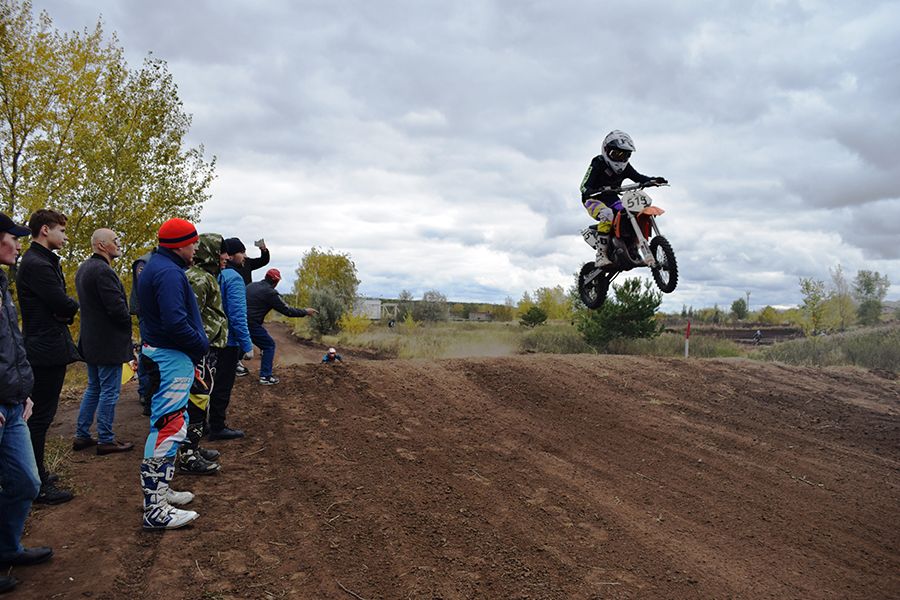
<point>7,226</point>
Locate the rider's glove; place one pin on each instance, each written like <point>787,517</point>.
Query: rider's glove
<point>659,180</point>
<point>617,206</point>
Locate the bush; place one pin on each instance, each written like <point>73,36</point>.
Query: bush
<point>353,324</point>
<point>533,317</point>
<point>330,311</point>
<point>874,348</point>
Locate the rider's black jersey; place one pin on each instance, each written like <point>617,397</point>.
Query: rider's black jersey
<point>599,175</point>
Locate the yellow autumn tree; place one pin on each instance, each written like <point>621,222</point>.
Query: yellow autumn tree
<point>83,133</point>
<point>326,271</point>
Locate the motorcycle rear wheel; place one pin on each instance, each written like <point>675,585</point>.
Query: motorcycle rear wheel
<point>665,274</point>
<point>593,294</point>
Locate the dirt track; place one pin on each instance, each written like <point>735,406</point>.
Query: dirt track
<point>522,477</point>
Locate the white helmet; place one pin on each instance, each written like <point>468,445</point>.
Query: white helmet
<point>617,149</point>
<point>332,351</point>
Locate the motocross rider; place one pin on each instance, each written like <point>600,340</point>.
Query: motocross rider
<point>606,171</point>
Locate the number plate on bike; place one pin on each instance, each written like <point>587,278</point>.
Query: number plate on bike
<point>635,200</point>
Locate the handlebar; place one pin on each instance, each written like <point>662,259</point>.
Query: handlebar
<point>630,186</point>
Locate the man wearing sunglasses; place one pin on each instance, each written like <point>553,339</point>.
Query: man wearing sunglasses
<point>609,170</point>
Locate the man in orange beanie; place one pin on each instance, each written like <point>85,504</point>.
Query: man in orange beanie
<point>173,342</point>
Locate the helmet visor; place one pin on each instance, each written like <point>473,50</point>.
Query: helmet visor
<point>619,155</point>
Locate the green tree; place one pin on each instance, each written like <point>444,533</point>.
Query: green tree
<point>769,316</point>
<point>326,270</point>
<point>404,304</point>
<point>533,317</point>
<point>739,309</point>
<point>870,288</point>
<point>432,307</point>
<point>504,312</point>
<point>629,314</point>
<point>84,134</point>
<point>813,305</point>
<point>554,302</point>
<point>840,299</point>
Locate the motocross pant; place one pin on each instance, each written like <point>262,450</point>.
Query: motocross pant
<point>171,374</point>
<point>599,209</point>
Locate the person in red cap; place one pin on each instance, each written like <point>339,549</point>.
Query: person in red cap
<point>173,342</point>
<point>261,298</point>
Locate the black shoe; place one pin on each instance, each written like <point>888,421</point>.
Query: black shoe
<point>192,463</point>
<point>241,370</point>
<point>28,556</point>
<point>226,433</point>
<point>52,478</point>
<point>7,583</point>
<point>209,454</point>
<point>50,494</point>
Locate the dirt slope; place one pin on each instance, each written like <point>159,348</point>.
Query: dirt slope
<point>521,477</point>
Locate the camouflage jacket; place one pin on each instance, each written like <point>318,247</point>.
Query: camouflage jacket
<point>203,277</point>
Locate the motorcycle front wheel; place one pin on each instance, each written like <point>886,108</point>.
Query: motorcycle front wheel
<point>592,293</point>
<point>665,273</point>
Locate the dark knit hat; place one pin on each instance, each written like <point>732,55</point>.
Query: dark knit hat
<point>233,246</point>
<point>177,233</point>
<point>273,275</point>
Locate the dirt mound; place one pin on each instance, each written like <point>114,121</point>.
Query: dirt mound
<point>525,477</point>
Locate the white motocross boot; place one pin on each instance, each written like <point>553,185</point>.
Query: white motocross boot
<point>156,473</point>
<point>602,258</point>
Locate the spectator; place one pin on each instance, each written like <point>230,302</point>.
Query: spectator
<point>245,267</point>
<point>208,263</point>
<point>47,312</point>
<point>332,356</point>
<point>19,479</point>
<point>173,342</point>
<point>261,298</point>
<point>234,301</point>
<point>104,343</point>
<point>135,308</point>
<point>235,245</point>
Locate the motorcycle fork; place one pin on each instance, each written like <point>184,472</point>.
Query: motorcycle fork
<point>643,246</point>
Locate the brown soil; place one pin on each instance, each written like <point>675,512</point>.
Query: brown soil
<point>522,477</point>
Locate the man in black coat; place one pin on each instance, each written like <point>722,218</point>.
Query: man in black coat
<point>47,312</point>
<point>104,343</point>
<point>19,480</point>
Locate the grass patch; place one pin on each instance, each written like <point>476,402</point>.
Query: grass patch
<point>58,455</point>
<point>871,348</point>
<point>554,339</point>
<point>672,344</point>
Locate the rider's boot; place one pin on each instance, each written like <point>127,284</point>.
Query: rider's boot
<point>602,258</point>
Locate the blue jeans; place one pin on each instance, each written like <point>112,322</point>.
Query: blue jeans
<point>264,341</point>
<point>100,397</point>
<point>19,479</point>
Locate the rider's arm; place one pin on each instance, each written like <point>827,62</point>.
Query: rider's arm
<point>632,174</point>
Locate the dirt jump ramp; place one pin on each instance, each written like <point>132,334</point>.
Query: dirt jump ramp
<point>524,477</point>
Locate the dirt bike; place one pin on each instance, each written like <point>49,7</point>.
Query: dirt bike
<point>628,247</point>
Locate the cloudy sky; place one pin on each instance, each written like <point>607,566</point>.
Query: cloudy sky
<point>441,144</point>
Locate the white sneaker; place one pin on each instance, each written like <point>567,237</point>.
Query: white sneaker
<point>178,498</point>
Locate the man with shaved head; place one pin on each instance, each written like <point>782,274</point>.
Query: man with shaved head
<point>105,343</point>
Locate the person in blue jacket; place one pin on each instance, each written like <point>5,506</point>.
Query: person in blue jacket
<point>234,302</point>
<point>173,342</point>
